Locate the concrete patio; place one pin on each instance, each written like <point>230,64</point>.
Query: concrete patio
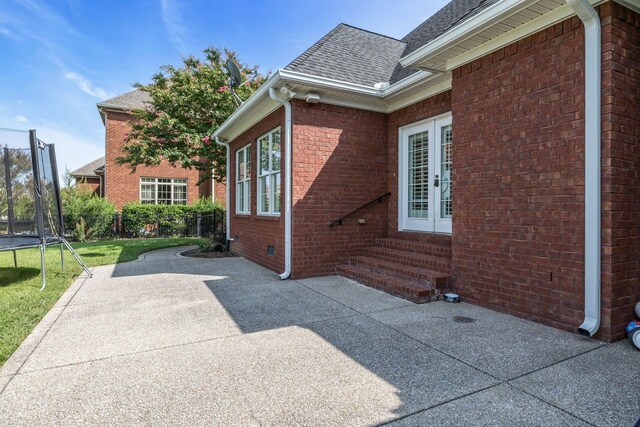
<point>168,340</point>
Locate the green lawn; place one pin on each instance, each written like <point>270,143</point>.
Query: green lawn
<point>23,305</point>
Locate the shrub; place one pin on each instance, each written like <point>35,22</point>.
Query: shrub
<point>142,220</point>
<point>94,214</point>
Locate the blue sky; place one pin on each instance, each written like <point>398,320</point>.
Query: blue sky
<point>58,58</point>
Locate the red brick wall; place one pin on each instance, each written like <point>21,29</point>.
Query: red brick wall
<point>430,107</point>
<point>220,192</point>
<point>339,164</point>
<point>253,233</point>
<point>88,183</point>
<point>518,159</point>
<point>122,186</point>
<point>621,167</point>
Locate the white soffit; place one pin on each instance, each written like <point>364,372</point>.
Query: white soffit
<point>497,26</point>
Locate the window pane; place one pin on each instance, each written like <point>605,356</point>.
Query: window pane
<point>240,197</point>
<point>164,180</point>
<point>179,181</point>
<point>264,194</point>
<point>147,192</point>
<point>147,180</point>
<point>247,196</point>
<point>247,162</point>
<point>179,194</point>
<point>164,194</point>
<point>264,155</point>
<point>275,151</point>
<point>240,164</point>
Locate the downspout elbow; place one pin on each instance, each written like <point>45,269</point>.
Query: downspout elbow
<point>592,166</point>
<point>287,171</point>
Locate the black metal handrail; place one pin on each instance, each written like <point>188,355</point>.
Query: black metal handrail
<point>377,199</point>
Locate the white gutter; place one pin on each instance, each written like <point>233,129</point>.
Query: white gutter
<point>248,104</point>
<point>324,82</point>
<point>592,161</point>
<point>228,185</point>
<point>287,175</point>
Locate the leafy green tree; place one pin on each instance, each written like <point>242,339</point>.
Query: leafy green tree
<point>187,104</point>
<point>21,181</point>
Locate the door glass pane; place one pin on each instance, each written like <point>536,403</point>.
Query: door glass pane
<point>446,180</point>
<point>418,190</point>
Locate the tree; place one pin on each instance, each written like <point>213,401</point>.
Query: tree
<point>187,104</point>
<point>20,180</point>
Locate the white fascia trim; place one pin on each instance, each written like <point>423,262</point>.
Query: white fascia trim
<point>324,82</point>
<point>488,17</point>
<point>248,104</point>
<point>423,94</point>
<point>360,105</point>
<point>407,82</point>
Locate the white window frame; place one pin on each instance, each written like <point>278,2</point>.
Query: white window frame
<point>175,182</point>
<point>244,181</point>
<point>271,173</point>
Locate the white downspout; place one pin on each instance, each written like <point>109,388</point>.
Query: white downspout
<point>287,175</point>
<point>228,185</point>
<point>592,162</point>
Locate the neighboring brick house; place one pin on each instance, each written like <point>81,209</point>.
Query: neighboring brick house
<point>163,183</point>
<point>90,177</point>
<point>470,136</point>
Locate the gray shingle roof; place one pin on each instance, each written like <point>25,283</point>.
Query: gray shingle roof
<point>358,56</point>
<point>451,15</point>
<point>126,101</point>
<point>352,55</point>
<point>89,168</point>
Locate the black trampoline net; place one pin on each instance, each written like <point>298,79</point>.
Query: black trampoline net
<point>20,197</point>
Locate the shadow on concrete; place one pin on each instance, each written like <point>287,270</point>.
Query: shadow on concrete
<point>421,377</point>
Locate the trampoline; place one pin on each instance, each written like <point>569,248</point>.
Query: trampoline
<point>30,208</point>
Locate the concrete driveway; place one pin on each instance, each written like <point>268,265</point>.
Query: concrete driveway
<point>168,340</point>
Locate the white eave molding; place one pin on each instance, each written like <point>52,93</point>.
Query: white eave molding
<point>489,17</point>
<point>364,97</point>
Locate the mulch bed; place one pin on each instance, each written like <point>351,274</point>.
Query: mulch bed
<point>197,253</point>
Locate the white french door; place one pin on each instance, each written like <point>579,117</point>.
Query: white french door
<point>425,176</point>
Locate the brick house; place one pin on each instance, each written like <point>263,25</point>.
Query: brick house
<point>493,151</point>
<point>148,184</point>
<point>90,177</point>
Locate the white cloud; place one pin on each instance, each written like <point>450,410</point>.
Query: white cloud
<point>171,11</point>
<point>86,86</point>
<point>72,150</point>
<point>21,119</point>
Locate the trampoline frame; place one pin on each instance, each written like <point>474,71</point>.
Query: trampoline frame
<point>41,239</point>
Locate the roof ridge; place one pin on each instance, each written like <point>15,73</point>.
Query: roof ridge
<point>372,32</point>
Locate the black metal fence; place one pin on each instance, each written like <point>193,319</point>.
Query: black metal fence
<point>135,226</point>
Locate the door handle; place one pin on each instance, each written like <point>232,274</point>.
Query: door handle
<point>436,182</point>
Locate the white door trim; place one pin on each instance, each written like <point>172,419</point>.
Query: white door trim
<point>432,223</point>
